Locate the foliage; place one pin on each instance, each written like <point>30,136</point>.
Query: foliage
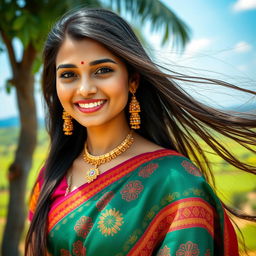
<point>249,232</point>
<point>31,20</point>
<point>239,199</point>
<point>158,14</point>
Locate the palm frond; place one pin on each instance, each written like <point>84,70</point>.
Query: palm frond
<point>159,16</point>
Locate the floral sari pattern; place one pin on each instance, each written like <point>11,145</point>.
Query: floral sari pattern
<point>110,222</point>
<point>64,252</point>
<point>208,252</point>
<point>83,226</point>
<point>190,168</point>
<point>104,200</point>
<point>164,252</point>
<point>188,249</point>
<point>132,190</point>
<point>157,203</point>
<point>79,249</point>
<point>147,170</point>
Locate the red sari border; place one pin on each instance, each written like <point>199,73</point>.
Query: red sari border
<point>182,214</point>
<point>35,194</point>
<point>230,239</point>
<point>88,190</point>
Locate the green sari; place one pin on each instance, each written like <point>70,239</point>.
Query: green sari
<point>157,203</point>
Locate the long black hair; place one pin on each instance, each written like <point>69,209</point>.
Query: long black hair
<point>170,117</point>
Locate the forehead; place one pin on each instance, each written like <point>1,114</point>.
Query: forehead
<point>86,49</point>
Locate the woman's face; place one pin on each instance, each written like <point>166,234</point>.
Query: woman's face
<point>92,83</point>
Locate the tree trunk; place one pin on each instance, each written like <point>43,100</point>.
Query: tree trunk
<point>19,169</point>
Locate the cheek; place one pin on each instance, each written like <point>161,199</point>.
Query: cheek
<point>118,88</point>
<point>63,94</point>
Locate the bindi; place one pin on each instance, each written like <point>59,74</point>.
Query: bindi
<point>82,62</point>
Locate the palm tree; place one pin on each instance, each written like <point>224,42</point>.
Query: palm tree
<point>29,21</point>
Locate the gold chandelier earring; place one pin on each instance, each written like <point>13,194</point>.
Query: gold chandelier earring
<point>67,124</point>
<point>134,110</point>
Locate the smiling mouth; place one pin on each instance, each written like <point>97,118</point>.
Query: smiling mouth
<point>90,105</point>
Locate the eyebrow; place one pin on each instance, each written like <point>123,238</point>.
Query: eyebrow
<point>96,62</point>
<point>92,63</point>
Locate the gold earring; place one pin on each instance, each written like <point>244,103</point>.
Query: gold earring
<point>68,124</point>
<point>134,110</point>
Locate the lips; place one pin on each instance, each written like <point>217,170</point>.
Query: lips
<point>90,105</point>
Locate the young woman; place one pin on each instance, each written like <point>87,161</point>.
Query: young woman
<point>118,179</point>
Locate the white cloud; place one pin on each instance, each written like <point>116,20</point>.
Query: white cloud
<point>197,45</point>
<point>242,47</point>
<point>243,5</point>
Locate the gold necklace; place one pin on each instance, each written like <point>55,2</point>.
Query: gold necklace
<point>94,172</point>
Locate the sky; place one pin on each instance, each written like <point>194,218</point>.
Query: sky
<point>222,46</point>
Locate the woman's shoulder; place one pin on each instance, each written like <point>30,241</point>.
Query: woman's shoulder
<point>173,164</point>
<point>177,175</point>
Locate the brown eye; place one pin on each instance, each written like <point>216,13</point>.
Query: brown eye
<point>67,75</point>
<point>103,71</point>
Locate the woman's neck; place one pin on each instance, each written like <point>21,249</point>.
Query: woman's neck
<point>101,140</point>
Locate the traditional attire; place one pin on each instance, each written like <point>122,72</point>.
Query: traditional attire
<point>156,203</point>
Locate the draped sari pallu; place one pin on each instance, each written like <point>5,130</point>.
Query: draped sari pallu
<point>156,203</point>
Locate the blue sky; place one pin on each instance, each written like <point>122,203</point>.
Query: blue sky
<point>223,45</point>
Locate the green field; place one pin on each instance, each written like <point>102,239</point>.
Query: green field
<point>233,187</point>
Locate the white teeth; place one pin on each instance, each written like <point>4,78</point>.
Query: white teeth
<point>90,105</point>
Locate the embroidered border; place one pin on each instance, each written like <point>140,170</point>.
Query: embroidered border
<point>34,198</point>
<point>184,213</point>
<point>91,189</point>
<point>230,239</point>
<point>35,194</point>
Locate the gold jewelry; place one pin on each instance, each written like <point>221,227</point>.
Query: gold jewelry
<point>68,124</point>
<point>134,109</point>
<point>93,173</point>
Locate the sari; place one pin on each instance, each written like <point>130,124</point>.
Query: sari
<point>156,203</point>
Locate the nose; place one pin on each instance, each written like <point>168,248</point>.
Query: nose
<point>86,87</point>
